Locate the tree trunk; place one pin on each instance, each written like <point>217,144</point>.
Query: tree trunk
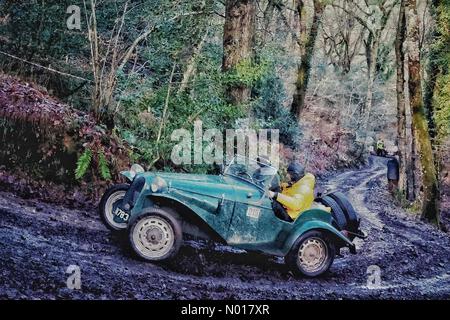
<point>239,30</point>
<point>413,178</point>
<point>372,45</point>
<point>371,56</point>
<point>401,111</point>
<point>406,172</point>
<point>432,72</point>
<point>430,203</point>
<point>304,69</point>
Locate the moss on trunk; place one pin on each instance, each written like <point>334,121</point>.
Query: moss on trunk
<point>304,69</point>
<point>430,196</point>
<point>238,38</point>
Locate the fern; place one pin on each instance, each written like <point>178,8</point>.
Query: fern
<point>83,164</point>
<point>103,166</point>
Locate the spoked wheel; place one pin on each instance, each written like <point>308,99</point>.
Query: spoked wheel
<point>156,235</point>
<point>110,200</point>
<point>312,254</point>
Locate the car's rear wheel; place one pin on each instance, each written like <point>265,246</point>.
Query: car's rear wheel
<point>108,204</point>
<point>312,254</point>
<point>156,235</point>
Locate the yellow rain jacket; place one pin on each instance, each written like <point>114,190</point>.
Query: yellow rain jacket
<point>298,197</point>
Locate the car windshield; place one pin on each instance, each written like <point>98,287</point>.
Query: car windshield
<point>258,173</point>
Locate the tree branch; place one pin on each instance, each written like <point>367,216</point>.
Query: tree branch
<point>353,14</point>
<point>286,23</point>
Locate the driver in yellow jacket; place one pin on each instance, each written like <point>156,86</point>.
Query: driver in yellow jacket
<point>295,196</point>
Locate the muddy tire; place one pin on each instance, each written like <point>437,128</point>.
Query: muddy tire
<point>349,212</point>
<point>336,211</point>
<point>312,254</point>
<point>108,204</point>
<point>156,235</point>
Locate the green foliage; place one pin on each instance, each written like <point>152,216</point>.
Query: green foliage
<point>247,72</point>
<point>440,58</point>
<point>142,106</point>
<point>442,106</point>
<point>142,101</point>
<point>83,164</point>
<point>270,111</point>
<point>85,161</point>
<point>103,166</point>
<point>440,47</point>
<point>36,31</point>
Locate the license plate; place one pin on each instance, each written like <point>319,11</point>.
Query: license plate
<point>253,212</point>
<point>122,215</point>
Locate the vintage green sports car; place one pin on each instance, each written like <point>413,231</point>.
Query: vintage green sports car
<point>158,208</point>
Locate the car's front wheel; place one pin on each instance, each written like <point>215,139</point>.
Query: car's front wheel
<point>156,235</point>
<point>312,254</point>
<point>108,204</point>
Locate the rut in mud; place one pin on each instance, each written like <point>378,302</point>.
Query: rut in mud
<point>39,241</point>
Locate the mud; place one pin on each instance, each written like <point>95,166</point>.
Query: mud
<point>38,242</point>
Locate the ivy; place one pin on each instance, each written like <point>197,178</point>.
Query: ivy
<point>247,72</point>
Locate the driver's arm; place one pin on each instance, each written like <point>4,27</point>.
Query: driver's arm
<point>294,203</point>
<point>303,197</point>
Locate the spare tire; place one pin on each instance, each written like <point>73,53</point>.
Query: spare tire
<point>336,211</point>
<point>350,212</point>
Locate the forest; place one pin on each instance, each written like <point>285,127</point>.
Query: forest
<point>117,77</point>
<point>141,69</point>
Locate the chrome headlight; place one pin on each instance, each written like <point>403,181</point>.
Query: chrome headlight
<point>136,169</point>
<point>158,184</point>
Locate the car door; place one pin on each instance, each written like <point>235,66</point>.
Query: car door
<point>254,223</point>
<point>244,222</point>
<point>269,225</point>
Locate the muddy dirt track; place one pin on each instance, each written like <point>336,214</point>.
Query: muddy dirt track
<point>39,241</point>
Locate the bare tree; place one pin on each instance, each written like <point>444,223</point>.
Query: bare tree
<point>374,19</point>
<point>342,37</point>
<point>107,60</point>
